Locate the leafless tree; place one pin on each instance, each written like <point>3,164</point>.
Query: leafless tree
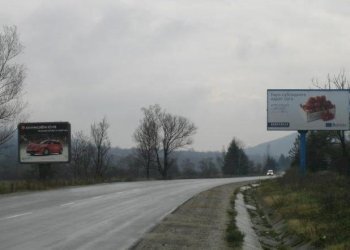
<point>340,82</point>
<point>102,146</point>
<point>82,152</point>
<point>175,133</point>
<point>11,82</point>
<point>169,133</point>
<point>146,137</point>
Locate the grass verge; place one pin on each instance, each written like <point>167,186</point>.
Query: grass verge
<point>7,187</point>
<point>316,208</point>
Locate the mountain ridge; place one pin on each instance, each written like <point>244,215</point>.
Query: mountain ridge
<point>274,147</point>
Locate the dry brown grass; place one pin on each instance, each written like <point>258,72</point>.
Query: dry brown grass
<point>315,207</point>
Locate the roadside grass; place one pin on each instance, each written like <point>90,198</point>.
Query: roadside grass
<point>234,237</point>
<point>315,207</point>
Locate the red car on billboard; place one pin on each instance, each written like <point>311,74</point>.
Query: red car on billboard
<point>46,147</point>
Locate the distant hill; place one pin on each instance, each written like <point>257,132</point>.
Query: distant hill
<point>275,147</point>
<point>181,155</point>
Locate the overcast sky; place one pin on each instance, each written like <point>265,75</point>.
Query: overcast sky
<point>208,60</point>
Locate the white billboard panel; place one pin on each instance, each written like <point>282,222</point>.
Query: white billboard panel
<point>296,109</point>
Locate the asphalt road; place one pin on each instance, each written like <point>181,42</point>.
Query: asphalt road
<point>108,216</point>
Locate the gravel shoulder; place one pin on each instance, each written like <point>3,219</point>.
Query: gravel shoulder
<point>200,223</point>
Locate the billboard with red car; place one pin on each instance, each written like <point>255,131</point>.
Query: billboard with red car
<point>296,109</point>
<point>44,142</point>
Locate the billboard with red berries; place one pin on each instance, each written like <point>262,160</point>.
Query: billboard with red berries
<point>307,109</point>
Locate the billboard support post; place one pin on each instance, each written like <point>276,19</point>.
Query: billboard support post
<point>302,151</point>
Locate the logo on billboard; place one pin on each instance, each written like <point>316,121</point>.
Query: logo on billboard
<point>278,124</point>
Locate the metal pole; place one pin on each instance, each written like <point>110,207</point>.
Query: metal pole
<point>302,151</point>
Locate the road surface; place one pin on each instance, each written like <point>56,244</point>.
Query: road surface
<point>107,216</point>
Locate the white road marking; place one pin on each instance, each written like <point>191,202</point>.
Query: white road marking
<point>67,204</point>
<point>17,215</point>
<point>97,197</point>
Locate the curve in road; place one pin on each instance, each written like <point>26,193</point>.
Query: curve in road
<point>107,216</point>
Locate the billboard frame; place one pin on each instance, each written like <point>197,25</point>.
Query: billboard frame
<point>302,128</point>
<point>35,134</point>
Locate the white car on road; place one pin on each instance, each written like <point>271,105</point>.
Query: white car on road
<point>270,172</point>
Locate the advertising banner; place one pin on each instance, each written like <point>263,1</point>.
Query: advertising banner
<point>307,109</point>
<point>44,142</point>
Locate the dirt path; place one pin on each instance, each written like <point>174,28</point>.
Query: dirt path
<point>200,223</point>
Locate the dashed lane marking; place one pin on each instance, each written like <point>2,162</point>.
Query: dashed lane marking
<point>17,215</point>
<point>67,204</point>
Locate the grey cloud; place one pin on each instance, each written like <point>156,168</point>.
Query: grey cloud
<point>210,61</point>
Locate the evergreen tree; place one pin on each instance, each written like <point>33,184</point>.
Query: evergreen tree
<point>236,161</point>
<point>318,150</point>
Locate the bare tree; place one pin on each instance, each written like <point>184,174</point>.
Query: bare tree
<point>340,82</point>
<point>175,133</point>
<point>146,137</point>
<point>11,82</point>
<point>102,145</point>
<point>82,151</point>
<point>169,133</point>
